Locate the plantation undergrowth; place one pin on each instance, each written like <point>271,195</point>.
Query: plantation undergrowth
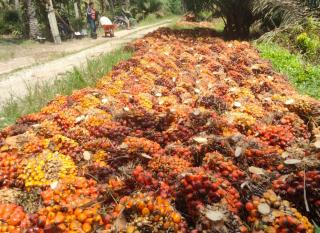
<point>303,75</point>
<point>191,131</point>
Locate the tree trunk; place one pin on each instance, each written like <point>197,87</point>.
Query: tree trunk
<point>109,5</point>
<point>32,19</point>
<point>238,21</point>
<point>53,23</point>
<point>80,8</point>
<point>76,10</point>
<point>17,5</point>
<point>102,6</point>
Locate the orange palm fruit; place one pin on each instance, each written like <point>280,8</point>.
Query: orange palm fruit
<point>77,211</point>
<point>14,221</point>
<point>59,218</point>
<point>145,211</point>
<point>176,217</point>
<point>51,216</point>
<point>62,227</point>
<point>89,220</point>
<point>74,225</point>
<point>86,227</point>
<point>81,217</point>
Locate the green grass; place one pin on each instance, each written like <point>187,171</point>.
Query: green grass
<point>151,19</point>
<point>6,54</point>
<point>42,93</point>
<point>303,75</point>
<point>218,24</point>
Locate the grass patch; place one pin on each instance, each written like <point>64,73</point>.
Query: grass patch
<point>5,55</point>
<point>219,24</point>
<point>152,19</point>
<point>42,93</point>
<point>303,75</point>
<point>216,24</point>
<point>302,39</point>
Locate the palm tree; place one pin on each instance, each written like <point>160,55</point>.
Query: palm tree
<point>32,18</point>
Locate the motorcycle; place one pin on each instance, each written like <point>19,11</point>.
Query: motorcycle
<point>64,27</point>
<point>125,20</point>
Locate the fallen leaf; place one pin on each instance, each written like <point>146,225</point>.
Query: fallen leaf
<point>54,185</point>
<point>237,104</point>
<point>292,161</point>
<point>238,152</point>
<point>105,100</point>
<point>123,146</point>
<point>87,155</point>
<point>144,155</point>
<point>285,155</point>
<point>257,170</point>
<point>80,118</point>
<point>264,208</point>
<point>201,140</point>
<point>289,101</point>
<point>214,215</point>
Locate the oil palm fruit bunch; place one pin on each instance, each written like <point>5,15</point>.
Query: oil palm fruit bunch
<point>46,168</point>
<point>195,191</point>
<point>143,212</point>
<point>270,213</point>
<point>13,218</point>
<point>10,169</point>
<point>224,166</point>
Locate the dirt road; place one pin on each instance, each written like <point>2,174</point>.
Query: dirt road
<point>15,84</point>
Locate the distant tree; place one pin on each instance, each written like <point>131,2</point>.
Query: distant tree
<point>33,24</point>
<point>239,15</point>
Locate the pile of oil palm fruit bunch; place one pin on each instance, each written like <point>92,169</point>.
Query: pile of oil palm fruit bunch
<point>192,134</point>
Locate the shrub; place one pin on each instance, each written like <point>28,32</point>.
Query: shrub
<point>306,44</point>
<point>10,23</point>
<point>302,38</point>
<point>149,6</point>
<point>77,24</point>
<point>174,6</point>
<point>205,15</point>
<point>11,16</point>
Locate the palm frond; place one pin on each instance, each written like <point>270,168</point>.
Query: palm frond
<point>284,12</point>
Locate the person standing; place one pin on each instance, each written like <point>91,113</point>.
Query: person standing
<point>91,19</point>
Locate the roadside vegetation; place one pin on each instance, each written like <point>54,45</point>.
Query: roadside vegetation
<point>294,51</point>
<point>303,75</point>
<point>28,19</point>
<point>39,96</point>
